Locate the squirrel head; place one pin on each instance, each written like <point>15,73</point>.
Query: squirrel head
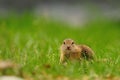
<point>68,45</point>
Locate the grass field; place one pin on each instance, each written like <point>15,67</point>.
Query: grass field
<point>34,44</point>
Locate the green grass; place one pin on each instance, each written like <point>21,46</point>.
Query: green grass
<point>34,44</point>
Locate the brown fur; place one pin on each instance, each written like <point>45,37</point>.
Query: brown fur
<point>70,51</point>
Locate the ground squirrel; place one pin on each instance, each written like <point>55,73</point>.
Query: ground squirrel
<point>70,51</point>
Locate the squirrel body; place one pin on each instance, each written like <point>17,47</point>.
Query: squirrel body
<point>70,51</point>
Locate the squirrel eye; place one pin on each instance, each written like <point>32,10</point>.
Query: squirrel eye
<point>63,42</point>
<point>72,42</point>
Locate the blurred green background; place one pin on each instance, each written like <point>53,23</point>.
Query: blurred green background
<point>32,40</point>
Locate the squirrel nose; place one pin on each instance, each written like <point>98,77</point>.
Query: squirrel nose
<point>68,48</point>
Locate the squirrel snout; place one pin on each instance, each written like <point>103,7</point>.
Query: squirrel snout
<point>68,47</point>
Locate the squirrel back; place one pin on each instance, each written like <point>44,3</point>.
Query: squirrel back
<point>86,52</point>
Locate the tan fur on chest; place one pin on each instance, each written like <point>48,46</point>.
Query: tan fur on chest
<point>75,55</point>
